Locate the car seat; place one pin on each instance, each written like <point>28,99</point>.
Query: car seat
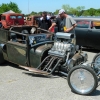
<point>13,37</point>
<point>24,37</point>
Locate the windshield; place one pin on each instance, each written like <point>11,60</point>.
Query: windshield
<point>19,17</point>
<point>13,17</point>
<point>82,24</point>
<point>16,17</point>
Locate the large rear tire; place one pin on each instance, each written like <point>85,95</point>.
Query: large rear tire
<point>82,80</point>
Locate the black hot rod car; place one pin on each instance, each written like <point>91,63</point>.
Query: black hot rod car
<point>40,55</point>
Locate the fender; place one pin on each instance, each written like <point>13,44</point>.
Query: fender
<point>38,54</point>
<point>78,57</point>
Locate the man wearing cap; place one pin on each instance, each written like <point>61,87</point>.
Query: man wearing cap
<point>65,23</point>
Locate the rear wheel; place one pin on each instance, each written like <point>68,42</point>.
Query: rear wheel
<point>82,80</point>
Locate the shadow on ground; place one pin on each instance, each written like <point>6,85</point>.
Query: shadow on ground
<point>11,65</point>
<point>95,93</point>
<point>90,50</point>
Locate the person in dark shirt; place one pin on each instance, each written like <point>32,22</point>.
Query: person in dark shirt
<point>44,22</point>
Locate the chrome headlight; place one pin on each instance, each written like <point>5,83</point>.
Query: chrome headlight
<point>33,30</point>
<point>70,63</point>
<point>31,39</point>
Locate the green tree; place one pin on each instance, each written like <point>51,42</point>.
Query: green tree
<point>92,11</point>
<point>79,10</point>
<point>76,11</point>
<point>56,12</point>
<point>73,11</point>
<point>33,13</point>
<point>9,6</point>
<point>97,13</point>
<point>86,13</point>
<point>14,7</point>
<point>66,8</point>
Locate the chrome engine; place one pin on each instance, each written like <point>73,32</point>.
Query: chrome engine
<point>63,45</point>
<point>65,49</point>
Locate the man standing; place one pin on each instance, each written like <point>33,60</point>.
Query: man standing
<point>64,22</point>
<point>44,21</point>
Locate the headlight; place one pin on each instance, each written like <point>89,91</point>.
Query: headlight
<point>70,63</point>
<point>33,30</point>
<point>31,40</point>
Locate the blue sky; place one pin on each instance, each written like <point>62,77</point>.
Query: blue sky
<point>51,5</point>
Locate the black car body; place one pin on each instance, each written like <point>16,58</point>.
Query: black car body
<point>88,32</point>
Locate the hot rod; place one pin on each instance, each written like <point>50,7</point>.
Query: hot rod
<point>41,55</point>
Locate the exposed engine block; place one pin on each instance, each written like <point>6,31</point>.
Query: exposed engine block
<point>62,56</point>
<point>63,45</point>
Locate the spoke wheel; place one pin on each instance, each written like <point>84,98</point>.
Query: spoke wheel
<point>82,80</point>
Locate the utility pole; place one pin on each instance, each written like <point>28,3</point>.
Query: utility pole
<point>28,7</point>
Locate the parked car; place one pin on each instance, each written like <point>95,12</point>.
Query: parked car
<point>9,19</point>
<point>32,20</point>
<point>88,32</point>
<point>15,47</point>
<point>39,54</point>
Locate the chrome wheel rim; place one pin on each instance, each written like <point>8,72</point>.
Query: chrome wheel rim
<point>82,80</point>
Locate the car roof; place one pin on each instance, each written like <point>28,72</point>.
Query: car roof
<point>11,14</point>
<point>87,18</point>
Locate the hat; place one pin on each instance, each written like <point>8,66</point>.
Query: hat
<point>61,11</point>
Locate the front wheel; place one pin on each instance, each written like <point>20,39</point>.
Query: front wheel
<point>82,80</point>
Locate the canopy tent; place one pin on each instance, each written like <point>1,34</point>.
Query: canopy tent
<point>10,11</point>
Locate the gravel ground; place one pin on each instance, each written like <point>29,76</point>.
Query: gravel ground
<point>19,84</point>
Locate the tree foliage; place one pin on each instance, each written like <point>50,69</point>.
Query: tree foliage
<point>78,11</point>
<point>56,12</point>
<point>9,6</point>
